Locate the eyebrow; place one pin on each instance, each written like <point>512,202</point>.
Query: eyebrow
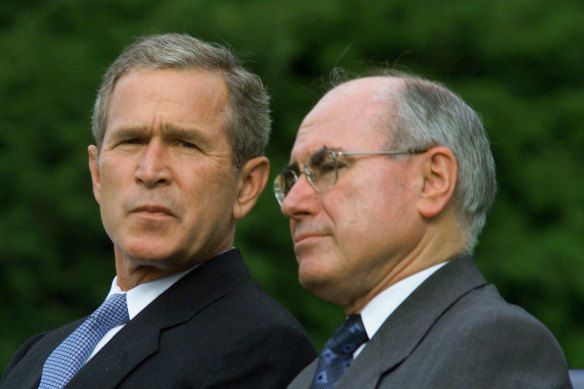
<point>292,166</point>
<point>173,131</point>
<point>169,131</point>
<point>127,132</point>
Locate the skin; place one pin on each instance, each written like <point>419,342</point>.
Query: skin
<point>169,196</point>
<point>385,219</point>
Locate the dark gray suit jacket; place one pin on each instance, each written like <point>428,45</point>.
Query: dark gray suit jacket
<point>214,328</point>
<point>455,331</point>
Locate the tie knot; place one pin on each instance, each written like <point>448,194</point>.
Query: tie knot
<point>349,336</point>
<point>113,312</point>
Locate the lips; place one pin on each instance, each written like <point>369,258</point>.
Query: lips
<point>305,236</point>
<point>153,210</point>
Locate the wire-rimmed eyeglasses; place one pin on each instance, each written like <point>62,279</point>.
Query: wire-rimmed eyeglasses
<point>322,169</point>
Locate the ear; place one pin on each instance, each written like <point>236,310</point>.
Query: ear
<point>94,170</point>
<point>252,180</point>
<point>439,173</point>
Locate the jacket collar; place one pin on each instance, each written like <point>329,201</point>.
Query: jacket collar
<point>400,334</point>
<point>140,337</point>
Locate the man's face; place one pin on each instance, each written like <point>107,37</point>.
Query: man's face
<point>164,178</point>
<point>351,239</point>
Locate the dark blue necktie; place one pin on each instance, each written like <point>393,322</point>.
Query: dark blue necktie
<point>337,354</point>
<point>70,356</point>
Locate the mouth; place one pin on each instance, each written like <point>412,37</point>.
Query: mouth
<point>152,210</point>
<point>305,237</point>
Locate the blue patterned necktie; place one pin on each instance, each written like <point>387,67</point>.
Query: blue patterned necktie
<point>337,354</point>
<point>70,356</point>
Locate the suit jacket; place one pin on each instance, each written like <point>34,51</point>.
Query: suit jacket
<point>214,328</point>
<point>455,331</point>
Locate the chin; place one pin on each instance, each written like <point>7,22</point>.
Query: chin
<point>149,253</point>
<point>324,291</point>
<point>318,283</point>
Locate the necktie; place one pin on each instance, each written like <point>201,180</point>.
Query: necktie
<point>338,351</point>
<point>70,356</point>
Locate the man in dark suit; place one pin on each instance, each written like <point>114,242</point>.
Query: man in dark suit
<point>389,184</point>
<point>180,127</point>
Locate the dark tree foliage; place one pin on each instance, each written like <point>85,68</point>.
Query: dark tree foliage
<point>518,63</point>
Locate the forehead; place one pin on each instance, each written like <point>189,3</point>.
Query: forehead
<point>168,94</point>
<point>351,117</point>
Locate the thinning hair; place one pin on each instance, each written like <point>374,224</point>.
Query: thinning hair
<point>247,119</point>
<point>424,114</point>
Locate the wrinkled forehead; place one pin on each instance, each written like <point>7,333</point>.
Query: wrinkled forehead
<point>351,117</point>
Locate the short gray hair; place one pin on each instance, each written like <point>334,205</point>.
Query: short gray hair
<point>422,114</point>
<point>247,117</point>
<point>427,114</point>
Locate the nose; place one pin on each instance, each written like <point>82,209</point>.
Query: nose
<point>302,199</point>
<point>153,169</point>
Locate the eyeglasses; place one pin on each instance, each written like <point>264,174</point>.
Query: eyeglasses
<point>322,169</point>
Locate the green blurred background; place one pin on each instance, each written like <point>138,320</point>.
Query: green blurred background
<point>518,63</point>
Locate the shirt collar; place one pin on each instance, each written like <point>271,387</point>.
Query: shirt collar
<point>142,295</point>
<point>384,304</point>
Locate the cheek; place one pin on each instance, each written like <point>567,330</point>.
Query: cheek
<point>358,205</point>
<point>109,185</point>
<point>349,214</point>
<point>365,212</point>
<point>206,191</point>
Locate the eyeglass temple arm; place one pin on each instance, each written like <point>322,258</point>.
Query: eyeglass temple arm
<point>387,152</point>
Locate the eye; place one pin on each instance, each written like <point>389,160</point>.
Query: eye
<point>327,167</point>
<point>321,163</point>
<point>187,145</point>
<point>342,162</point>
<point>289,178</point>
<point>132,141</point>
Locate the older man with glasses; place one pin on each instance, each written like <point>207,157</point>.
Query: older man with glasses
<point>390,181</point>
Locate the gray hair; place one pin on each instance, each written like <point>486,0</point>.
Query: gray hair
<point>427,114</point>
<point>247,117</point>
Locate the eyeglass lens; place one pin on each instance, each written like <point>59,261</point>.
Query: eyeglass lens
<point>320,169</point>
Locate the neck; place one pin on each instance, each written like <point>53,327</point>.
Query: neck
<point>131,273</point>
<point>432,250</point>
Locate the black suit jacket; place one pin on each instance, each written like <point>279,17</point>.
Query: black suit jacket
<point>456,331</point>
<point>214,328</point>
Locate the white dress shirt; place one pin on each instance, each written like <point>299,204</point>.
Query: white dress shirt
<point>385,303</point>
<point>138,298</point>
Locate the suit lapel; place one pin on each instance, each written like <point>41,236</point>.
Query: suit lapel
<point>139,339</point>
<point>406,327</point>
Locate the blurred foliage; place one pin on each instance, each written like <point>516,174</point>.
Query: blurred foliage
<point>518,63</point>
